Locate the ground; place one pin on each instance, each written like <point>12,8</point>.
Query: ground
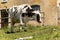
<point>38,33</point>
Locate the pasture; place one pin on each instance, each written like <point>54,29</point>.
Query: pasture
<point>38,33</point>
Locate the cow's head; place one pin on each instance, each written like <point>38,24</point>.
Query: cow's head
<point>38,18</point>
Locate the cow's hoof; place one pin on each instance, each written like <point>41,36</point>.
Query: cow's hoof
<point>19,31</point>
<point>25,30</point>
<point>12,32</point>
<point>9,32</point>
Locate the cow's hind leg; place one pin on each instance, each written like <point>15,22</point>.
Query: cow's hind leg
<point>12,26</point>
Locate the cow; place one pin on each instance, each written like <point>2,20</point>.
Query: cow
<point>20,11</point>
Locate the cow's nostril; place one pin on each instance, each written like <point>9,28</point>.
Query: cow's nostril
<point>40,22</point>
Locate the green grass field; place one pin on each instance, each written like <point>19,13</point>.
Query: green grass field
<point>38,33</point>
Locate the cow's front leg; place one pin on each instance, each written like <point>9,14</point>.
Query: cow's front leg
<point>21,22</point>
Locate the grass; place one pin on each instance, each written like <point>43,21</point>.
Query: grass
<point>38,33</point>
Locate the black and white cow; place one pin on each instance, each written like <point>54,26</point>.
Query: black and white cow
<point>25,9</point>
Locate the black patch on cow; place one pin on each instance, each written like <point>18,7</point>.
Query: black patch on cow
<point>29,12</point>
<point>27,9</point>
<point>24,14</point>
<point>25,6</point>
